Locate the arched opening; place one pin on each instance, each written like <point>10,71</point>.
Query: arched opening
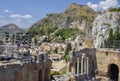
<point>113,72</point>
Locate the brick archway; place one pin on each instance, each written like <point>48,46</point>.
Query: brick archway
<point>113,72</point>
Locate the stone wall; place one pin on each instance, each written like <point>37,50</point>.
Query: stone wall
<point>26,72</point>
<point>106,58</point>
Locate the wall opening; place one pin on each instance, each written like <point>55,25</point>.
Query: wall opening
<point>40,76</point>
<point>80,67</point>
<point>75,68</point>
<point>93,68</point>
<point>113,72</point>
<point>70,67</point>
<point>46,74</point>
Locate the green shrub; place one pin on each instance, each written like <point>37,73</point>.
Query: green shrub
<point>54,73</point>
<point>114,10</point>
<point>113,41</point>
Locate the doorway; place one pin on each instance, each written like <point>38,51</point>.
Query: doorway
<point>113,72</point>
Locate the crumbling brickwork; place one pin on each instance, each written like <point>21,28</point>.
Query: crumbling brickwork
<point>26,71</point>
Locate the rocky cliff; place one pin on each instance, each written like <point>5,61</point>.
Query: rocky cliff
<point>102,24</point>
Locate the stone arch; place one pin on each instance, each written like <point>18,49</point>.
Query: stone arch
<point>113,72</point>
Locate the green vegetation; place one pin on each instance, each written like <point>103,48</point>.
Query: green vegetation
<point>64,71</point>
<point>54,32</point>
<point>38,43</point>
<point>42,31</point>
<point>68,49</point>
<point>65,33</point>
<point>106,53</point>
<point>55,50</point>
<point>114,9</point>
<point>58,73</point>
<point>113,41</point>
<point>55,73</point>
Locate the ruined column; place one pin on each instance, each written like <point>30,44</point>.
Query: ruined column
<point>87,66</point>
<point>82,64</point>
<point>38,58</point>
<point>68,67</point>
<point>78,66</point>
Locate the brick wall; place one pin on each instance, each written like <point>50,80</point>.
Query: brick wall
<point>26,72</point>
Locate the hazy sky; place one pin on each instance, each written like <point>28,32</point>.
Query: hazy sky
<point>26,12</point>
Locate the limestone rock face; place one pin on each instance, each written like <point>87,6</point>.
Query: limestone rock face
<point>102,24</point>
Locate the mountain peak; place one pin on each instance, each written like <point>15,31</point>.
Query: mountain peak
<point>76,9</point>
<point>11,26</point>
<point>74,5</point>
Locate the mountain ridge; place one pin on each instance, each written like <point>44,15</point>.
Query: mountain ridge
<point>10,28</point>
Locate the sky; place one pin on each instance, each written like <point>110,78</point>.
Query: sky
<point>25,13</point>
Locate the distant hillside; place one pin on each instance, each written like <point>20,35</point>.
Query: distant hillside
<point>10,28</point>
<point>75,16</point>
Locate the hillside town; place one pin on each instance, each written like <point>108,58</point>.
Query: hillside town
<point>79,44</point>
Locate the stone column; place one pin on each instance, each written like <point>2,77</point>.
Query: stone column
<point>82,65</point>
<point>87,66</point>
<point>68,67</point>
<point>37,58</point>
<point>78,66</point>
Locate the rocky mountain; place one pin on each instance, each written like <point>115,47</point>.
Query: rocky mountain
<point>75,16</point>
<point>11,28</point>
<point>102,25</point>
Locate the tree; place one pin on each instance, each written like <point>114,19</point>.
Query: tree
<point>68,49</point>
<point>113,41</point>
